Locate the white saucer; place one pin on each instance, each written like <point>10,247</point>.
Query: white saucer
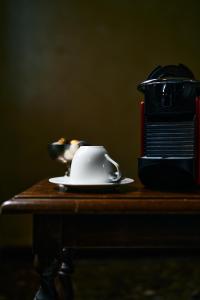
<point>64,181</point>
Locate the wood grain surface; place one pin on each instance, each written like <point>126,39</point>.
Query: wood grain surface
<point>45,197</point>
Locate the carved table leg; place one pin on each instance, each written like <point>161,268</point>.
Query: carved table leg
<point>64,274</point>
<point>54,261</point>
<point>47,270</point>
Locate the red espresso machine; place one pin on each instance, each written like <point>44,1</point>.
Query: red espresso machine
<point>170,128</point>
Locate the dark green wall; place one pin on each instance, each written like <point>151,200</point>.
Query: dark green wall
<point>70,68</point>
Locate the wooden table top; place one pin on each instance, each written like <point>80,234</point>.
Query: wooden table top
<point>45,197</point>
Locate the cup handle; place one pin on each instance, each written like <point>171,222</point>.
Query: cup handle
<point>118,172</point>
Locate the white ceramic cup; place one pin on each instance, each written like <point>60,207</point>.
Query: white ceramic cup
<point>93,165</point>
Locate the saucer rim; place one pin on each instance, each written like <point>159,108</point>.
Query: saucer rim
<point>119,183</point>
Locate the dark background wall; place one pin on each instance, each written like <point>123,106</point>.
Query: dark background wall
<point>70,68</point>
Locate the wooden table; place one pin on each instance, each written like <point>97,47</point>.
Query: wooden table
<point>132,217</point>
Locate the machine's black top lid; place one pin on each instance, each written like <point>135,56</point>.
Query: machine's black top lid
<point>171,71</point>
<point>170,91</point>
<point>169,74</point>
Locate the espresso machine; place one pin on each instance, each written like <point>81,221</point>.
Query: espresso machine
<point>170,128</point>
